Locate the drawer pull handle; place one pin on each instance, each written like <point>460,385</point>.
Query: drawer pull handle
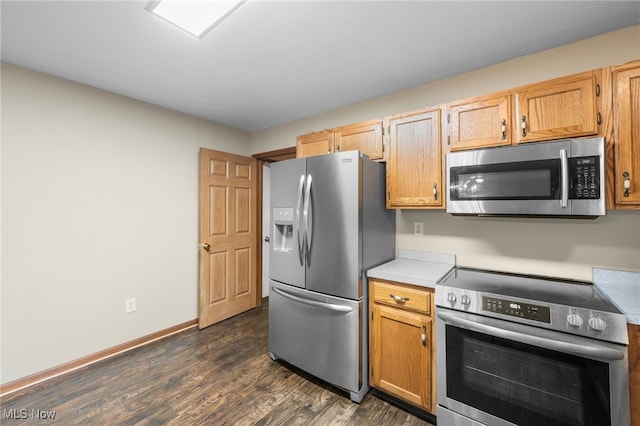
<point>399,298</point>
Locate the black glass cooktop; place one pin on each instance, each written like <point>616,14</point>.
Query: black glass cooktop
<point>532,288</point>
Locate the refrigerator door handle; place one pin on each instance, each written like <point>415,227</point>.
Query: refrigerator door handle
<point>297,221</point>
<point>308,223</point>
<point>329,306</point>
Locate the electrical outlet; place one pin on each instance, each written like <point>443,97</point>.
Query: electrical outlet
<point>418,229</point>
<point>130,305</point>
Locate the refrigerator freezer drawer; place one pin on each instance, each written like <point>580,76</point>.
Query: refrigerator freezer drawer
<point>317,333</point>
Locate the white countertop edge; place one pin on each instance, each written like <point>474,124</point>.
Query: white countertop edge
<point>633,319</point>
<point>423,269</point>
<point>622,288</point>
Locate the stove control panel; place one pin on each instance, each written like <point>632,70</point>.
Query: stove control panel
<point>517,309</point>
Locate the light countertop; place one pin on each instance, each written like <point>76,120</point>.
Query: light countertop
<point>622,288</point>
<point>424,269</point>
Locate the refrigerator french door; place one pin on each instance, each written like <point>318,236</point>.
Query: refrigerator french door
<point>329,225</point>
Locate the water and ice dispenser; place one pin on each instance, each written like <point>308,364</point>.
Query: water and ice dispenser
<point>283,229</point>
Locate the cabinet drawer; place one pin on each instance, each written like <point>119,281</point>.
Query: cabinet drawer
<point>417,299</point>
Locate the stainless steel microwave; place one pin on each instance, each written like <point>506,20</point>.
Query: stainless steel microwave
<point>561,178</point>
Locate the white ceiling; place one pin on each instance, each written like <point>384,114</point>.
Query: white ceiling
<point>272,62</point>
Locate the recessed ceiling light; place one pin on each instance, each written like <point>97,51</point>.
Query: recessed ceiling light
<point>193,16</point>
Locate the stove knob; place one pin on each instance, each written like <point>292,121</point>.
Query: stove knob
<point>597,323</point>
<point>465,300</point>
<point>574,320</point>
<point>451,297</point>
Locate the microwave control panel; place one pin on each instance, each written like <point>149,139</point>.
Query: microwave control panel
<point>585,178</point>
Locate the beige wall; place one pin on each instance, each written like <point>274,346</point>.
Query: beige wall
<point>99,204</point>
<point>563,248</point>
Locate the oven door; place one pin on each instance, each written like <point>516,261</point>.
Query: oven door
<point>494,372</point>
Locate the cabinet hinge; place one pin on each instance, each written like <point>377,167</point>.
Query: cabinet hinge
<point>383,145</point>
<point>598,90</point>
<point>599,118</point>
<point>389,130</point>
<point>448,118</point>
<point>448,140</point>
<point>371,316</point>
<point>382,130</point>
<point>388,195</point>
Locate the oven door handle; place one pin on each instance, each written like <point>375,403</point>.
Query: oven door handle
<point>605,354</point>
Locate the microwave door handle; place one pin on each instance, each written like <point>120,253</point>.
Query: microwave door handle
<point>597,352</point>
<point>564,178</point>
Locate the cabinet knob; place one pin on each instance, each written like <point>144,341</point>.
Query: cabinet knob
<point>627,183</point>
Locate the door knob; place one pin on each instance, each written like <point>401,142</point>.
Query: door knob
<point>267,239</point>
<point>205,246</point>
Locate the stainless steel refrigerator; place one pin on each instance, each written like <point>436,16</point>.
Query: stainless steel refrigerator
<point>329,225</point>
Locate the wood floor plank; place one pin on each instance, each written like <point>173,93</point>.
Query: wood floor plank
<point>219,375</point>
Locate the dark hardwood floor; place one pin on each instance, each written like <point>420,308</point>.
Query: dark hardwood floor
<point>219,375</point>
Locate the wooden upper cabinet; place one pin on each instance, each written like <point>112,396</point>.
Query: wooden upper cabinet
<point>316,143</point>
<point>480,122</point>
<point>365,137</point>
<point>559,108</point>
<point>626,134</point>
<point>414,163</point>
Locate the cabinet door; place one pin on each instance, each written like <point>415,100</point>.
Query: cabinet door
<point>480,122</point>
<point>626,111</point>
<point>316,143</point>
<point>556,109</point>
<point>400,356</point>
<point>365,137</point>
<point>414,163</point>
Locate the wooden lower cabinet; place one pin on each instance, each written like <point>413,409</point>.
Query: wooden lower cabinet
<point>402,342</point>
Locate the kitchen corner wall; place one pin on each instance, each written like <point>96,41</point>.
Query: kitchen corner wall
<point>566,248</point>
<point>99,204</point>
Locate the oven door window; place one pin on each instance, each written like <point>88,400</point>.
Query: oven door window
<point>525,180</point>
<point>525,384</point>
